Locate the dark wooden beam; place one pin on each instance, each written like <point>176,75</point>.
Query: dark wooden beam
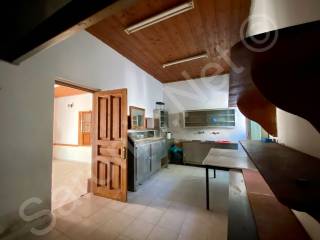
<point>30,26</point>
<point>244,94</point>
<point>257,108</point>
<point>286,72</point>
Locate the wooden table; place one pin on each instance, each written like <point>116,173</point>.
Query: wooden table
<point>225,159</point>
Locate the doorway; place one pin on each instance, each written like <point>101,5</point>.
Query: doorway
<point>72,143</point>
<point>90,143</point>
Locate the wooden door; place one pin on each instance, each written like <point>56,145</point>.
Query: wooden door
<point>109,145</point>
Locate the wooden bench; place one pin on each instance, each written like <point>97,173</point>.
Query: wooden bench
<point>273,220</point>
<point>241,223</point>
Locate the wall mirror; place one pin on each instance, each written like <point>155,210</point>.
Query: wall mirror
<point>137,118</point>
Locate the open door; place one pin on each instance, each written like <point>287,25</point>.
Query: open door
<point>109,144</point>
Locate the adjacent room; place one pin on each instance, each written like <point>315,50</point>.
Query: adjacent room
<point>160,120</point>
<point>72,149</point>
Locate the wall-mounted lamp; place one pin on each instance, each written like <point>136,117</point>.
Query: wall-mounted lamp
<point>70,105</point>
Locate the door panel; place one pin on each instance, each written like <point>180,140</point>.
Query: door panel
<point>143,162</point>
<point>115,118</point>
<point>110,144</point>
<point>156,158</point>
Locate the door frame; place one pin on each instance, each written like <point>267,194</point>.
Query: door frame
<point>68,83</point>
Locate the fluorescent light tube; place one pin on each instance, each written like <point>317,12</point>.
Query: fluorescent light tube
<point>204,55</point>
<point>160,17</point>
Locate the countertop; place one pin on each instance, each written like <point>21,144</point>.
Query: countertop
<point>147,140</point>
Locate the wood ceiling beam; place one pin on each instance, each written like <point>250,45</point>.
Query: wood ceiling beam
<point>31,26</point>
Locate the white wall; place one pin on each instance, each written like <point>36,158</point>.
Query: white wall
<point>66,119</point>
<point>282,13</point>
<point>65,128</point>
<point>204,93</point>
<point>74,154</point>
<point>298,133</point>
<point>26,106</point>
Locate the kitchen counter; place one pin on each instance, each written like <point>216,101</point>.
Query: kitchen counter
<point>144,158</point>
<point>147,140</point>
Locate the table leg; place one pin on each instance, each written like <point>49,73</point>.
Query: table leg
<point>207,188</point>
<point>214,173</point>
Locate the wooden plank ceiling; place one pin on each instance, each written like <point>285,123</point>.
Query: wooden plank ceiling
<point>211,25</point>
<point>63,91</point>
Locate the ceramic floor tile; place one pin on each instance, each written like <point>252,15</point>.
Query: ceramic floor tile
<point>111,229</point>
<point>138,230</point>
<point>219,229</point>
<point>102,234</point>
<point>172,220</point>
<point>66,222</point>
<point>97,200</point>
<point>122,238</point>
<point>194,228</point>
<point>62,237</point>
<point>200,215</point>
<point>160,204</point>
<point>52,235</point>
<point>171,205</point>
<point>133,209</point>
<point>104,215</point>
<point>151,215</point>
<point>118,223</point>
<point>159,233</point>
<point>87,208</point>
<point>184,236</point>
<point>82,230</point>
<point>116,205</point>
<point>69,181</point>
<point>142,200</point>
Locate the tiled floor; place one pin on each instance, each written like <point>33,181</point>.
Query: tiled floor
<point>169,206</point>
<point>69,181</point>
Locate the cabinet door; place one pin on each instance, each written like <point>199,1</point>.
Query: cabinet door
<point>155,156</point>
<point>143,162</point>
<point>164,150</point>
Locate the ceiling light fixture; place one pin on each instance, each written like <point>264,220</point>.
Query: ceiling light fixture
<point>160,17</point>
<point>203,55</point>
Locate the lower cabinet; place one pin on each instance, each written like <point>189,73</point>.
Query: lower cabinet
<point>155,156</point>
<point>147,161</point>
<point>143,161</point>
